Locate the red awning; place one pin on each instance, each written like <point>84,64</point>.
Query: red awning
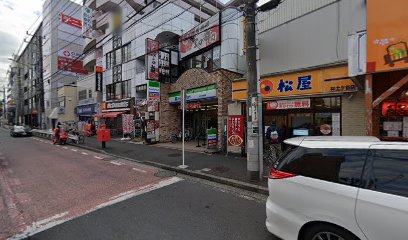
<point>109,114</point>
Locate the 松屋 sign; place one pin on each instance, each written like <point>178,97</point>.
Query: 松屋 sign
<point>288,104</point>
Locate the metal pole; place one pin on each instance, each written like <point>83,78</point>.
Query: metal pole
<point>183,109</point>
<point>252,99</point>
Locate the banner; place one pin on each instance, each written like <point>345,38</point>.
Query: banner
<point>98,81</point>
<point>153,91</point>
<point>288,104</point>
<point>152,59</point>
<point>70,54</point>
<point>70,65</point>
<point>87,19</point>
<point>127,123</point>
<point>387,35</point>
<point>236,131</point>
<point>200,37</point>
<point>70,21</point>
<point>202,93</point>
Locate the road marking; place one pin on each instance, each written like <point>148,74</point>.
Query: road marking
<point>58,219</point>
<point>65,147</point>
<point>98,157</point>
<point>139,170</point>
<point>74,150</point>
<point>205,169</point>
<point>116,163</point>
<point>84,153</point>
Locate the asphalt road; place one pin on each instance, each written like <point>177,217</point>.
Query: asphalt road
<point>50,192</point>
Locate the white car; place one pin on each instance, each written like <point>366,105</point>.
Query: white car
<point>339,188</point>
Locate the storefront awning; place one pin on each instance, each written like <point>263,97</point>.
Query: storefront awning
<point>109,115</point>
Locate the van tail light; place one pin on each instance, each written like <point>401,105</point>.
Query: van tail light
<point>279,175</point>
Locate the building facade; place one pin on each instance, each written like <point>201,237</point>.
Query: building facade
<point>304,67</point>
<point>62,53</point>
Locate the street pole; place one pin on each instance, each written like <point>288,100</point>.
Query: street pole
<point>253,155</point>
<point>183,109</point>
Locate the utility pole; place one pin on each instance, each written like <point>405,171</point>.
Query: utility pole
<point>253,131</point>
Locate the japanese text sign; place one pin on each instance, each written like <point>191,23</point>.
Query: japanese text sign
<point>288,104</point>
<point>235,131</point>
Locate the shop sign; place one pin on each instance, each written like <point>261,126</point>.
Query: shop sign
<point>98,82</point>
<point>212,138</point>
<point>71,66</point>
<point>164,63</point>
<point>87,19</point>
<point>387,38</point>
<point>152,59</point>
<point>332,80</point>
<point>118,105</point>
<point>127,123</point>
<point>325,129</point>
<point>153,91</point>
<point>70,20</point>
<point>69,54</point>
<point>236,131</point>
<point>288,104</point>
<point>394,109</point>
<point>175,98</point>
<point>208,92</point>
<point>192,105</point>
<point>85,109</point>
<point>200,37</point>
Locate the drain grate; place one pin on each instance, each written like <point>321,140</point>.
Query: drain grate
<point>165,174</point>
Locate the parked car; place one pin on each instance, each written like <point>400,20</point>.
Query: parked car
<point>16,131</point>
<point>339,188</point>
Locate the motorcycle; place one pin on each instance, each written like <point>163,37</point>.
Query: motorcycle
<point>62,138</point>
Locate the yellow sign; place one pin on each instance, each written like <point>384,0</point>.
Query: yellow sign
<point>387,35</point>
<point>332,80</point>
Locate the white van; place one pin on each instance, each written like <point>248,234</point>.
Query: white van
<point>339,188</point>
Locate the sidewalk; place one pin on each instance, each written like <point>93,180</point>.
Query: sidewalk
<point>207,165</point>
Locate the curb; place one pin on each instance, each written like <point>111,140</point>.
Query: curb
<point>197,174</point>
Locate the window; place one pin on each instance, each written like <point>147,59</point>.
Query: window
<point>197,61</point>
<point>108,60</point>
<point>389,172</point>
<point>126,53</point>
<point>119,90</point>
<point>110,92</point>
<point>90,93</point>
<point>118,56</point>
<point>82,95</point>
<point>126,93</point>
<point>342,166</point>
<point>207,61</point>
<point>217,57</point>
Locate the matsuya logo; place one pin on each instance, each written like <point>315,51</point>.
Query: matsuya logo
<point>266,87</point>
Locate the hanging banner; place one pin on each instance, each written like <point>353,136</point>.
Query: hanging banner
<point>70,21</point>
<point>236,131</point>
<point>127,123</point>
<point>152,59</point>
<point>153,91</point>
<point>387,35</point>
<point>87,19</point>
<point>200,37</point>
<point>98,82</point>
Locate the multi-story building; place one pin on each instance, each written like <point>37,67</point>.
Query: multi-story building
<point>11,97</point>
<point>304,62</point>
<point>62,54</point>
<point>25,83</point>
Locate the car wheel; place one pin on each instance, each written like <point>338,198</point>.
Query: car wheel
<point>327,232</point>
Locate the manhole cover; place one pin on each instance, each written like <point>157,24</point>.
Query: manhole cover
<point>165,174</point>
<point>174,155</point>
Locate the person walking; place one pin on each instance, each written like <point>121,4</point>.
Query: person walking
<point>274,136</point>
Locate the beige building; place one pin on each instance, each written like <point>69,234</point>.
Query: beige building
<point>67,101</point>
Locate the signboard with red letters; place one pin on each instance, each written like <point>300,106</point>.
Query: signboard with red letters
<point>288,104</point>
<point>152,59</point>
<point>236,131</point>
<point>70,21</point>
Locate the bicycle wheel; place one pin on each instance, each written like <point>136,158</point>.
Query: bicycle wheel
<point>81,139</point>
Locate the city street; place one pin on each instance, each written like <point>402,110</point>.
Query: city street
<point>62,192</point>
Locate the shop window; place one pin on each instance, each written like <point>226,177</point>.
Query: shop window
<point>207,61</point>
<point>327,103</point>
<point>217,57</point>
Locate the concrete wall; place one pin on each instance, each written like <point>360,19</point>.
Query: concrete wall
<point>303,34</point>
<point>70,94</point>
<point>353,115</point>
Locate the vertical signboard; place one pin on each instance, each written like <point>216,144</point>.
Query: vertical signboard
<point>153,91</point>
<point>87,19</point>
<point>387,35</point>
<point>152,59</point>
<point>236,131</point>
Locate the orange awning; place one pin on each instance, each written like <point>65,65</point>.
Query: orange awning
<point>109,114</point>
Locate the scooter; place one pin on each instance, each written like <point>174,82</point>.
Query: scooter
<point>62,139</point>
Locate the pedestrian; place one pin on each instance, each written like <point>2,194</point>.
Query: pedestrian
<point>57,132</point>
<point>274,136</point>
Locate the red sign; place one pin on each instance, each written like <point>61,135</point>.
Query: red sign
<point>235,131</point>
<point>394,109</point>
<point>71,21</point>
<point>152,59</point>
<point>288,104</point>
<point>98,69</point>
<point>71,65</point>
<point>192,105</point>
